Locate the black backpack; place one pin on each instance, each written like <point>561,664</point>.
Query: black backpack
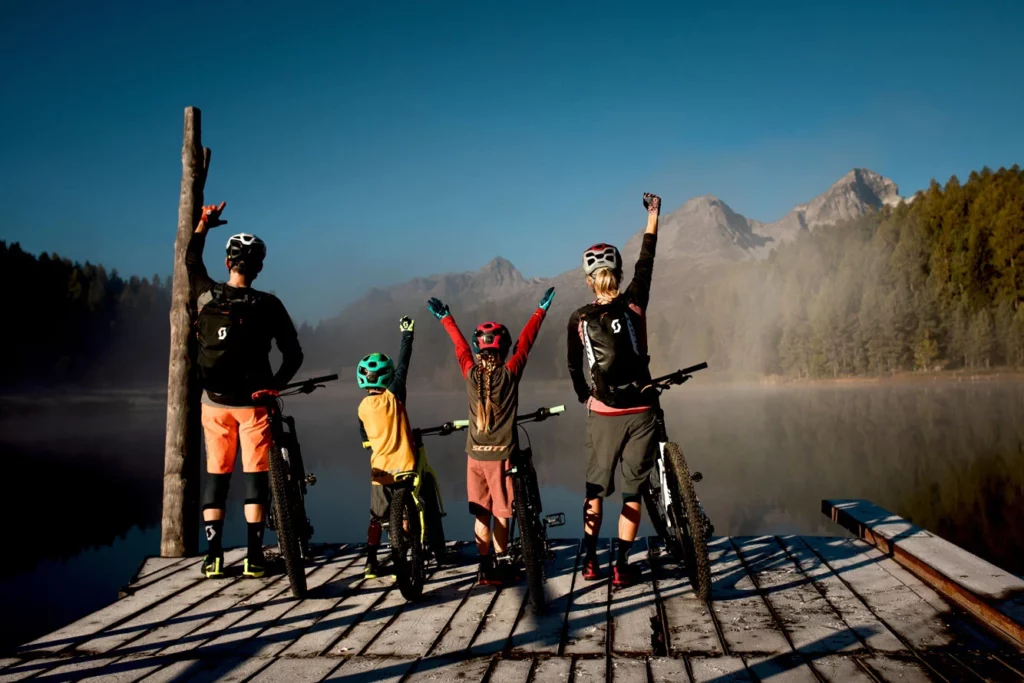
<point>230,336</point>
<point>617,365</point>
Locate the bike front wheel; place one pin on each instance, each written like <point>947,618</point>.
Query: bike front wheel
<point>288,540</point>
<point>531,542</point>
<point>406,547</point>
<point>432,514</point>
<point>688,524</point>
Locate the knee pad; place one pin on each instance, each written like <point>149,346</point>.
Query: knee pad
<point>257,488</point>
<point>215,495</point>
<point>594,491</point>
<point>630,497</point>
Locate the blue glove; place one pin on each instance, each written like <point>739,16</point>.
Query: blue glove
<point>438,308</point>
<point>545,301</point>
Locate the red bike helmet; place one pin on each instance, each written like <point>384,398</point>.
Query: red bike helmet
<point>492,336</point>
<point>601,256</point>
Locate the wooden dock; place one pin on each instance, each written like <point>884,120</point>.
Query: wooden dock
<point>784,608</point>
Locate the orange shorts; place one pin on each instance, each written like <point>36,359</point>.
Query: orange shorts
<point>226,427</point>
<point>488,489</point>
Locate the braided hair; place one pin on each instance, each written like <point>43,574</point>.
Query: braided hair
<point>489,362</point>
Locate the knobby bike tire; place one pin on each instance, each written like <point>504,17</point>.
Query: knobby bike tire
<point>695,547</point>
<point>530,542</point>
<point>284,524</point>
<point>406,548</point>
<point>432,514</point>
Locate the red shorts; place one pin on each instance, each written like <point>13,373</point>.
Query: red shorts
<point>226,427</point>
<point>489,490</point>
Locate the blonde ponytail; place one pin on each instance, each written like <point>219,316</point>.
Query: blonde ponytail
<point>605,283</point>
<point>485,410</point>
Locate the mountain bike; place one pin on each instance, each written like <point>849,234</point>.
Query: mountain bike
<point>671,501</point>
<point>414,525</point>
<point>286,515</point>
<point>530,547</point>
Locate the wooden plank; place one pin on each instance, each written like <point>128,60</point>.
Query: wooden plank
<point>371,622</point>
<point>633,609</point>
<point>688,622</point>
<point>188,627</point>
<point>468,620</point>
<point>229,670</point>
<point>227,626</point>
<point>28,668</point>
<point>590,670</point>
<point>341,618</point>
<point>130,669</point>
<point>892,670</point>
<point>668,669</point>
<point>155,563</point>
<point>543,633</point>
<point>901,609</point>
<point>836,669</point>
<point>372,670</point>
<point>553,670</point>
<point>991,594</point>
<point>416,630</point>
<point>587,630</point>
<point>109,639</point>
<point>500,621</point>
<point>246,635</point>
<point>988,667</point>
<point>747,625</point>
<point>79,669</point>
<point>719,670</point>
<point>450,670</point>
<point>628,670</point>
<point>514,671</point>
<point>809,620</point>
<point>328,593</point>
<point>115,613</point>
<point>288,669</point>
<point>780,669</point>
<point>875,634</point>
<point>179,670</point>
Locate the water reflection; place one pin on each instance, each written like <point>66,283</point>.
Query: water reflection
<point>83,477</point>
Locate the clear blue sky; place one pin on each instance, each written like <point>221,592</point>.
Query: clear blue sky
<point>367,142</point>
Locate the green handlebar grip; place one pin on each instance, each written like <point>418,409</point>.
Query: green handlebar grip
<point>555,410</point>
<point>460,424</point>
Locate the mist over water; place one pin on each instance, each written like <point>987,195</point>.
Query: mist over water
<point>81,492</point>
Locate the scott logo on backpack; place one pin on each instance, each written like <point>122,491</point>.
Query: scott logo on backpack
<point>617,365</point>
<point>228,340</point>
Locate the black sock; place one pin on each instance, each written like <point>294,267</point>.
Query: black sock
<point>371,552</point>
<point>622,558</point>
<point>590,545</point>
<point>214,533</point>
<point>255,530</point>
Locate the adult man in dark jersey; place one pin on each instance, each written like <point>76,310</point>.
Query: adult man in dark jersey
<point>235,327</point>
<point>621,430</point>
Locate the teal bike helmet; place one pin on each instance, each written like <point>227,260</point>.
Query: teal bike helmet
<point>375,371</point>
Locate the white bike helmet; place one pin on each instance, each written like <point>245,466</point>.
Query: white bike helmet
<point>244,246</point>
<point>601,256</point>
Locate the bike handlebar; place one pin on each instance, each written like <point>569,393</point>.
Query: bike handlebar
<point>538,415</point>
<point>312,381</point>
<point>677,377</point>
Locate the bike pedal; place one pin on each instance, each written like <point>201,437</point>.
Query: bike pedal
<point>697,476</point>
<point>557,519</point>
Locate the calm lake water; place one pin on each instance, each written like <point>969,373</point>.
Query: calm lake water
<point>82,486</point>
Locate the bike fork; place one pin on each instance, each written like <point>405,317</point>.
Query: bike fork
<point>666,493</point>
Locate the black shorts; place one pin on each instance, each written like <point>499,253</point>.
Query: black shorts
<point>626,441</point>
<point>380,501</point>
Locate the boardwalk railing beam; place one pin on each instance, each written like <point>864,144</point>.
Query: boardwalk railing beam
<point>995,596</point>
<point>180,520</point>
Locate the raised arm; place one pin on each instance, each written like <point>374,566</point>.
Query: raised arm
<point>517,363</point>
<point>639,289</point>
<point>575,358</point>
<point>199,279</point>
<point>397,386</point>
<point>463,352</point>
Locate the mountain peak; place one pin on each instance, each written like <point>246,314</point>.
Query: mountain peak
<point>500,271</point>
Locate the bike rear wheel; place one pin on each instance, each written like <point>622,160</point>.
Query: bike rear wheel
<point>432,514</point>
<point>285,523</point>
<point>531,542</point>
<point>688,524</point>
<point>406,547</point>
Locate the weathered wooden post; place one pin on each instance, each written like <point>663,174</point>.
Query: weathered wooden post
<point>180,522</point>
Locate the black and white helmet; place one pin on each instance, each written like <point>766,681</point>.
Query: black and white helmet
<point>601,256</point>
<point>244,246</point>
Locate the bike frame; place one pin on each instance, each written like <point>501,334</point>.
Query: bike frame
<point>414,478</point>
